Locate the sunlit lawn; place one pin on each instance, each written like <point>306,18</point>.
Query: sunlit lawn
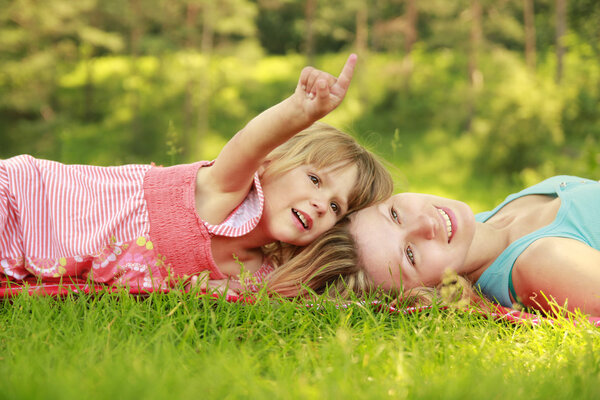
<point>179,346</point>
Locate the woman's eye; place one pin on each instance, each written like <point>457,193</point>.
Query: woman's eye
<point>394,215</point>
<point>410,255</point>
<point>314,179</point>
<point>335,208</point>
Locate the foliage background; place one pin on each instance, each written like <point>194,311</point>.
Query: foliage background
<point>466,98</point>
<point>457,96</point>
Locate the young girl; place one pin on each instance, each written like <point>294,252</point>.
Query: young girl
<point>149,227</point>
<point>540,247</point>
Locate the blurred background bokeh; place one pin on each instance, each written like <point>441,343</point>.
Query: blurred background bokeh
<point>465,98</point>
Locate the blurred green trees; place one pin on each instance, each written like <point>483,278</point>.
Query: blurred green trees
<point>460,95</point>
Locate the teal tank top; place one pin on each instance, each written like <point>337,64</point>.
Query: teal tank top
<point>577,218</point>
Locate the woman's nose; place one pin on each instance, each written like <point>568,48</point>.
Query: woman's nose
<point>424,227</point>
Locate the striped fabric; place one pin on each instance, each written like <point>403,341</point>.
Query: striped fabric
<point>64,211</point>
<point>88,222</point>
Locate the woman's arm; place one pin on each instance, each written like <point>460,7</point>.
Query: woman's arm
<point>564,270</point>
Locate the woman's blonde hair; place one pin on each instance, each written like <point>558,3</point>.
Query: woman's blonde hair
<point>332,265</point>
<point>322,146</point>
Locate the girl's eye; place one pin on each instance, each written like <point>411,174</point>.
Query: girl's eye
<point>410,255</point>
<point>314,179</point>
<point>335,208</point>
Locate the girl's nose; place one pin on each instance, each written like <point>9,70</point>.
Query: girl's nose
<point>424,227</point>
<point>320,204</point>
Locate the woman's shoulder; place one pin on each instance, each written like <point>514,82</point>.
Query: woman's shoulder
<point>550,251</point>
<point>537,261</point>
<point>542,248</point>
<point>557,267</point>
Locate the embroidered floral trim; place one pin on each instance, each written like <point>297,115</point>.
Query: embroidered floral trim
<point>135,263</point>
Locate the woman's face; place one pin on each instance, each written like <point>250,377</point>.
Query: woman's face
<point>410,239</point>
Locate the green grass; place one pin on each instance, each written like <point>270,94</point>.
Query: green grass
<point>180,346</point>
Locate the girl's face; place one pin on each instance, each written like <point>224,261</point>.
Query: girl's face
<point>410,239</point>
<point>304,202</point>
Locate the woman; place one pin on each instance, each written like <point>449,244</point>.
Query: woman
<point>539,246</point>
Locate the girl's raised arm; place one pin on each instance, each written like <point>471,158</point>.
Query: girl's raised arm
<point>316,94</point>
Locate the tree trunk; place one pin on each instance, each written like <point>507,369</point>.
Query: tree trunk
<point>134,42</point>
<point>475,77</point>
<point>561,27</point>
<point>204,86</point>
<point>362,29</point>
<point>362,48</point>
<point>411,15</point>
<point>410,37</point>
<point>88,102</point>
<point>188,129</point>
<point>309,45</point>
<point>474,44</point>
<point>529,19</point>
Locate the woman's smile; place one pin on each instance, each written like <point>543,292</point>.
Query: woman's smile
<point>449,221</point>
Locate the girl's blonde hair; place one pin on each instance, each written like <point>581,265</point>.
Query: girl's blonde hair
<point>315,266</point>
<point>328,265</point>
<point>324,146</point>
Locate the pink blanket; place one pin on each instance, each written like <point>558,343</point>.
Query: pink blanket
<point>9,289</point>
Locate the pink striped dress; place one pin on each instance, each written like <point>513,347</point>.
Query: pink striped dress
<point>132,225</point>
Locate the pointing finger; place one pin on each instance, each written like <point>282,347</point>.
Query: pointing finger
<point>347,72</point>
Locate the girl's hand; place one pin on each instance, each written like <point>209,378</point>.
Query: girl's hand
<point>318,93</point>
<point>222,187</point>
<point>221,286</point>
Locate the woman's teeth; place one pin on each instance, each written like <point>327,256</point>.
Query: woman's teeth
<point>301,218</point>
<point>448,223</point>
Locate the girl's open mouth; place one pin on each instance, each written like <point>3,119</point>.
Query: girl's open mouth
<point>304,219</point>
